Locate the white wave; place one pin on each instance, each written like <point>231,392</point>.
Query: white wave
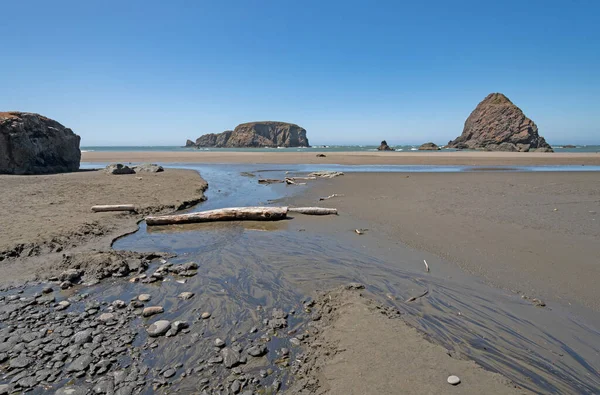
<point>87,150</point>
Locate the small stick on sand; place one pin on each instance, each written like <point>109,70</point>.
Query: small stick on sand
<point>330,196</point>
<point>426,266</point>
<point>270,181</point>
<point>113,207</point>
<point>413,298</point>
<point>358,231</point>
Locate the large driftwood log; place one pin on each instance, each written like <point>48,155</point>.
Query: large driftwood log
<point>223,214</point>
<point>113,207</point>
<point>313,210</point>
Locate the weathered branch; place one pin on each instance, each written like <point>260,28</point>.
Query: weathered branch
<point>224,214</point>
<point>313,210</point>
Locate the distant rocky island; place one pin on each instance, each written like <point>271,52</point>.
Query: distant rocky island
<point>269,134</point>
<point>34,144</point>
<point>384,146</point>
<point>497,124</point>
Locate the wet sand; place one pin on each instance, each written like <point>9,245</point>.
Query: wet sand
<point>351,158</point>
<point>532,233</point>
<point>46,217</point>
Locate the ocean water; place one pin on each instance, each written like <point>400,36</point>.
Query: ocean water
<point>316,148</point>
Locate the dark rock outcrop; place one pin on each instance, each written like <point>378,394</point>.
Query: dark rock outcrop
<point>33,144</point>
<point>118,168</point>
<point>256,135</point>
<point>497,124</point>
<point>189,143</point>
<point>429,147</point>
<point>384,146</point>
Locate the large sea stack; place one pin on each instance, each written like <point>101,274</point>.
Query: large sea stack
<point>256,135</point>
<point>33,144</point>
<point>497,124</point>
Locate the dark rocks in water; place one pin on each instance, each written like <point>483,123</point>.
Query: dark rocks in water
<point>569,146</point>
<point>384,146</point>
<point>497,124</point>
<point>33,144</point>
<point>119,168</point>
<point>429,147</point>
<point>256,134</point>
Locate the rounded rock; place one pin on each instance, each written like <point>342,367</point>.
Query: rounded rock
<point>205,315</point>
<point>454,380</point>
<point>158,328</point>
<point>144,297</point>
<point>152,310</point>
<point>186,295</point>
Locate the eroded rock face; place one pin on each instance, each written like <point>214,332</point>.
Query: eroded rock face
<point>384,146</point>
<point>497,124</point>
<point>257,134</point>
<point>33,144</point>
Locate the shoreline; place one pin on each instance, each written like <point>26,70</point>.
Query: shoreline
<point>350,158</point>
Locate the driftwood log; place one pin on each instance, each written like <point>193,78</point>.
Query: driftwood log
<point>269,181</point>
<point>223,214</point>
<point>113,207</point>
<point>313,210</point>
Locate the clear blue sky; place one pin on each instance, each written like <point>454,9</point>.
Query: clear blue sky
<point>157,73</point>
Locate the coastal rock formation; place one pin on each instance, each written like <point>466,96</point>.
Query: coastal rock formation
<point>429,147</point>
<point>189,143</point>
<point>384,146</point>
<point>33,144</point>
<point>497,124</point>
<point>256,135</point>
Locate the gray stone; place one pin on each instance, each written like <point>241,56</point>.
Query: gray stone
<point>158,328</point>
<point>219,343</point>
<point>236,386</point>
<point>72,275</point>
<point>258,350</point>
<point>354,286</point>
<point>105,317</point>
<point>231,358</point>
<point>144,297</point>
<point>82,337</point>
<point>5,389</point>
<point>33,144</point>
<point>205,315</point>
<point>21,361</point>
<point>80,364</point>
<point>186,295</point>
<point>454,380</point>
<point>148,168</point>
<point>169,373</point>
<point>152,310</point>
<point>118,168</point>
<point>71,390</point>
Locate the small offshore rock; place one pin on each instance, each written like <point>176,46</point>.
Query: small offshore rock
<point>152,310</point>
<point>47,290</point>
<point>205,315</point>
<point>454,380</point>
<point>144,297</point>
<point>158,328</point>
<point>186,295</point>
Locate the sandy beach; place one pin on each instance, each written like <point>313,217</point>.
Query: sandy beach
<point>45,218</point>
<point>470,158</point>
<point>532,233</point>
<point>494,225</point>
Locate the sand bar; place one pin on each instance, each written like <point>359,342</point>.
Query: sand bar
<point>349,158</point>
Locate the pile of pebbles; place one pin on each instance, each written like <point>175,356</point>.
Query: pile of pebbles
<point>80,346</point>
